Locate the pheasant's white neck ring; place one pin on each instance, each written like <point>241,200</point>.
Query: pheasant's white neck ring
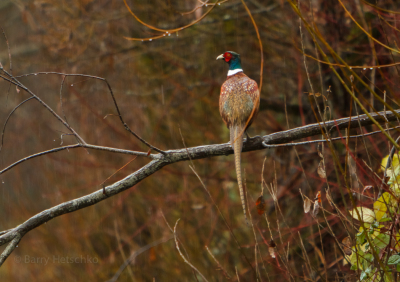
<point>232,72</point>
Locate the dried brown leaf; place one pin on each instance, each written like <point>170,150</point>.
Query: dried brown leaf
<point>307,205</point>
<point>271,248</point>
<point>321,170</point>
<point>367,188</point>
<point>316,208</point>
<point>271,251</point>
<point>347,245</point>
<point>260,204</point>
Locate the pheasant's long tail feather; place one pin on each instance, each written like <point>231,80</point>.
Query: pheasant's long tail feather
<point>236,134</point>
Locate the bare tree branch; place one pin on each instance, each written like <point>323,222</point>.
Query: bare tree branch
<point>111,93</point>
<point>173,156</point>
<point>88,146</point>
<point>13,80</point>
<point>10,248</point>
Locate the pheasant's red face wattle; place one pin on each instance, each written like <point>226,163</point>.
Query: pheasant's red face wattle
<point>227,57</point>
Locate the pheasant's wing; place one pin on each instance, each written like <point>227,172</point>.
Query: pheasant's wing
<point>223,98</point>
<point>252,90</point>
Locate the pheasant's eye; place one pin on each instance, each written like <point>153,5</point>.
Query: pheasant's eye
<point>227,57</point>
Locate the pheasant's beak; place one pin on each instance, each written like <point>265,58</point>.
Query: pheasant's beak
<point>220,57</point>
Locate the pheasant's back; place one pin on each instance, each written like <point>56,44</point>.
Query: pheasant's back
<point>239,95</point>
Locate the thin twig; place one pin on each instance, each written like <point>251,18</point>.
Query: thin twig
<point>61,100</point>
<point>89,76</point>
<point>14,81</point>
<point>122,252</point>
<point>183,257</point>
<point>169,31</point>
<point>88,146</point>
<point>223,218</point>
<point>8,48</point>
<point>259,42</point>
<point>5,123</point>
<point>133,256</point>
<point>219,265</point>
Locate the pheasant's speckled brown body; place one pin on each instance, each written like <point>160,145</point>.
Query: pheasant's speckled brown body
<point>239,100</point>
<point>238,105</point>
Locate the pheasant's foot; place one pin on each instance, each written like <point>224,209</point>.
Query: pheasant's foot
<point>248,138</point>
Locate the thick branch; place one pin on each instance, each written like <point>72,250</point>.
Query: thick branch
<point>281,137</point>
<point>174,156</point>
<point>10,248</point>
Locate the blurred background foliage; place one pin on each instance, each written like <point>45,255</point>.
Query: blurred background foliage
<point>165,86</point>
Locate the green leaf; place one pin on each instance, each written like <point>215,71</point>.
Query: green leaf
<point>367,215</point>
<point>363,276</point>
<point>354,267</point>
<point>398,268</point>
<point>360,238</point>
<point>381,241</point>
<point>354,259</point>
<point>395,259</point>
<point>361,232</point>
<point>369,257</point>
<point>365,273</point>
<point>374,276</point>
<point>385,218</point>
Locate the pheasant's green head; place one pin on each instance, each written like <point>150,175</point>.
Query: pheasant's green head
<point>233,60</point>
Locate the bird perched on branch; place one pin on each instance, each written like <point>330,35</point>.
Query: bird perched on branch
<point>238,105</point>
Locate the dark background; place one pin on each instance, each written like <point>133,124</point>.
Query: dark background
<point>164,87</point>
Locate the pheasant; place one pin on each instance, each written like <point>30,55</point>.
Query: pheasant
<point>239,102</point>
